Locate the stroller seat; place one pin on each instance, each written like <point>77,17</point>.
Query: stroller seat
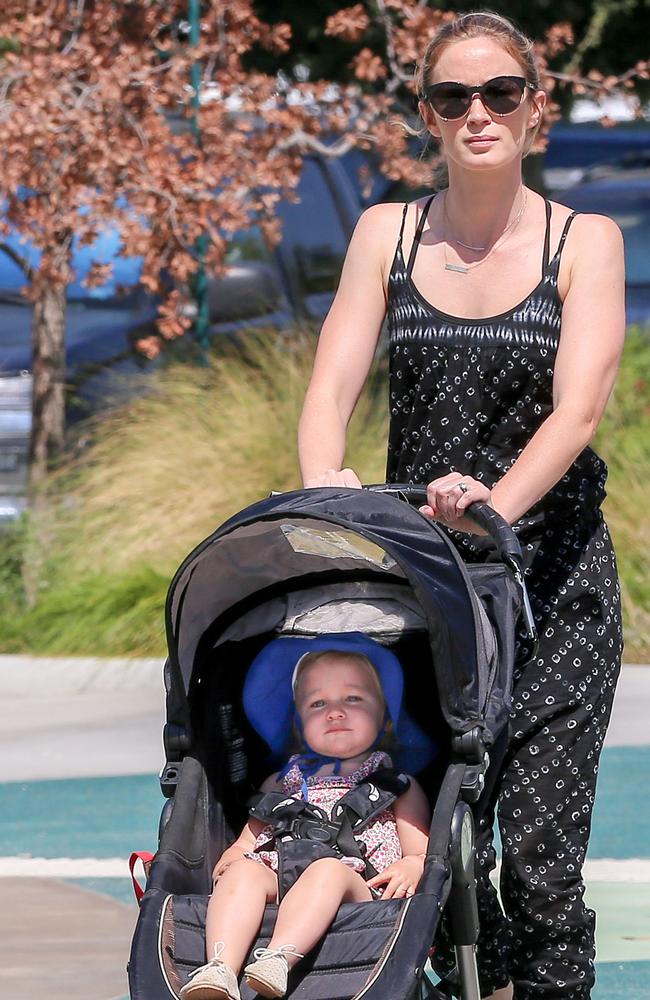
<point>356,949</point>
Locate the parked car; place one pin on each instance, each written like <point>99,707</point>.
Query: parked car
<point>574,148</point>
<point>296,281</point>
<point>624,195</point>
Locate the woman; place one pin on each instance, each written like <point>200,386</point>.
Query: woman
<point>495,393</point>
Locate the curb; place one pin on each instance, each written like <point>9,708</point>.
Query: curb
<point>44,677</point>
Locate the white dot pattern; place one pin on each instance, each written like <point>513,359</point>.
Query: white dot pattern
<point>467,395</point>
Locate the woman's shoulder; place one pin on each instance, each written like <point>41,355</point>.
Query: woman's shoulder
<point>387,215</point>
<point>585,226</point>
<point>382,219</point>
<point>379,226</point>
<point>594,244</point>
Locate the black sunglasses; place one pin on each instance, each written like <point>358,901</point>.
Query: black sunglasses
<point>501,95</point>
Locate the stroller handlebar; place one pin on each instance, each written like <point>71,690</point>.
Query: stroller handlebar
<point>485,517</point>
<point>481,514</point>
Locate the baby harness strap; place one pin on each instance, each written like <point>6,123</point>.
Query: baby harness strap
<point>303,832</point>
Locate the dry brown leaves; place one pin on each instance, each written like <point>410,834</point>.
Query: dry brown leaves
<point>348,24</point>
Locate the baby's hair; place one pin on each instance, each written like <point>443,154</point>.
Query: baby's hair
<point>309,659</point>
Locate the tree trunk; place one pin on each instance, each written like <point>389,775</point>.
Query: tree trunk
<point>48,394</point>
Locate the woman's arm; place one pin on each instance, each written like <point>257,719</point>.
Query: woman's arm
<point>346,348</point>
<point>591,342</point>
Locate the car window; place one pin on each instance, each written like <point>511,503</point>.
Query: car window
<point>12,277</point>
<point>248,245</point>
<point>314,241</point>
<point>630,208</point>
<point>105,250</point>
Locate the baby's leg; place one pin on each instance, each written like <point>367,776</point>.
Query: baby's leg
<point>236,908</point>
<point>312,902</point>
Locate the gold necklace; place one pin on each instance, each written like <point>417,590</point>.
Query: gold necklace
<point>464,268</point>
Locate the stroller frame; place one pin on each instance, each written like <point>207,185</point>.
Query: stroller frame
<point>206,778</point>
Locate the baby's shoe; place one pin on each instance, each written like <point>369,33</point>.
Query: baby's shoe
<point>269,972</point>
<point>213,981</point>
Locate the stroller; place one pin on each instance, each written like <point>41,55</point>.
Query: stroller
<point>301,564</point>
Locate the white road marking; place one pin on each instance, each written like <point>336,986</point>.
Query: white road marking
<point>27,867</point>
<point>632,870</point>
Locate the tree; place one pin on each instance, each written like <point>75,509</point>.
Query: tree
<point>94,95</point>
<point>96,106</point>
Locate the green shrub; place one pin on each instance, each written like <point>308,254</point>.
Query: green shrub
<point>98,615</point>
<point>623,440</point>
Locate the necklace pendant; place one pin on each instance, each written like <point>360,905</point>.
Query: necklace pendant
<point>456,267</point>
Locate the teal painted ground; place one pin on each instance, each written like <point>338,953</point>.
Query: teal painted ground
<point>622,981</point>
<point>621,817</point>
<point>80,817</point>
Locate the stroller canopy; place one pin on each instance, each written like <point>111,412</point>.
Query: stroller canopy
<point>310,538</point>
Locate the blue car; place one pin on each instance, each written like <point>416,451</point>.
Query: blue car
<point>624,195</point>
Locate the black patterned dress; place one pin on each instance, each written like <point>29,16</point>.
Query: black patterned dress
<point>467,396</point>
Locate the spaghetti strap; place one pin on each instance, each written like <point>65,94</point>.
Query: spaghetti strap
<point>565,233</point>
<point>401,228</point>
<point>418,235</point>
<point>547,238</point>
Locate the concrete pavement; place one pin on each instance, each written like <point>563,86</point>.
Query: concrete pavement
<point>62,942</point>
<point>75,718</point>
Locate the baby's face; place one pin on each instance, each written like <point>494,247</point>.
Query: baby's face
<point>340,706</point>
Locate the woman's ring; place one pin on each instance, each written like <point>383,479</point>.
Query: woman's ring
<point>463,487</point>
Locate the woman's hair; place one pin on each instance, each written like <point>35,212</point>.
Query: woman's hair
<point>480,24</point>
<point>309,659</point>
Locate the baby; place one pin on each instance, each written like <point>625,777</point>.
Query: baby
<point>341,713</point>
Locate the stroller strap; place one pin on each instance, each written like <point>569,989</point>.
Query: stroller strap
<point>304,832</point>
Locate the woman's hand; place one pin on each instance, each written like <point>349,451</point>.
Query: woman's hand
<point>448,497</point>
<point>229,856</point>
<point>401,878</point>
<point>335,477</point>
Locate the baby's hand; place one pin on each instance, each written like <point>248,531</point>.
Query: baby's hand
<point>229,856</point>
<point>401,878</point>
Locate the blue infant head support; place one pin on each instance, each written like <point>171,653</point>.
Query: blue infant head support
<point>269,704</point>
